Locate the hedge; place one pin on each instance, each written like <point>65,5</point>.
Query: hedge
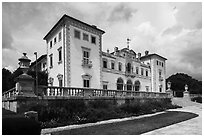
<point>68,112</point>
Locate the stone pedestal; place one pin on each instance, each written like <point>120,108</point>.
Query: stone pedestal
<point>88,93</point>
<point>25,86</point>
<point>170,92</point>
<point>186,95</point>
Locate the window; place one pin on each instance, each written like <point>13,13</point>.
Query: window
<point>105,86</point>
<point>60,55</point>
<point>51,44</point>
<point>119,84</point>
<point>160,72</point>
<point>105,63</point>
<point>44,65</point>
<point>60,36</point>
<point>128,68</point>
<point>77,34</point>
<point>86,57</point>
<point>137,70</point>
<point>147,88</point>
<point>60,82</point>
<point>129,85</point>
<point>137,85</point>
<point>142,71</point>
<point>51,59</point>
<point>86,83</point>
<point>55,40</point>
<point>85,37</point>
<point>160,88</point>
<point>93,39</point>
<point>162,64</point>
<point>112,65</point>
<point>146,72</point>
<point>157,62</point>
<point>120,66</point>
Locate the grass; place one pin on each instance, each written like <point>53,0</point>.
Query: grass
<point>132,127</point>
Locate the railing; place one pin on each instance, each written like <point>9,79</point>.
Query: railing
<point>86,92</point>
<point>86,63</point>
<point>90,92</point>
<point>10,93</point>
<point>195,95</point>
<point>131,74</point>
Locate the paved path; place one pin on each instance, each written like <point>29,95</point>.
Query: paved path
<point>189,127</point>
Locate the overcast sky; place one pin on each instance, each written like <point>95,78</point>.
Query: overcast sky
<point>173,30</point>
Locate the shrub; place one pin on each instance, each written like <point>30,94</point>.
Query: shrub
<point>67,112</point>
<point>197,99</point>
<point>178,93</point>
<point>20,126</point>
<point>100,104</point>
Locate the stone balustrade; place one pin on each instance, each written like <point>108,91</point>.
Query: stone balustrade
<point>51,91</point>
<point>90,92</point>
<point>10,93</point>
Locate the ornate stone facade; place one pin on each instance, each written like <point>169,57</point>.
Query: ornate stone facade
<point>82,46</point>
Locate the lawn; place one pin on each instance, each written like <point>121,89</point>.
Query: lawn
<point>132,127</point>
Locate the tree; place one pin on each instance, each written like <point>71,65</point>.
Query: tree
<point>7,81</point>
<point>179,80</point>
<point>8,78</point>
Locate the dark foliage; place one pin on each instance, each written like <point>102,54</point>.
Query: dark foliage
<point>197,99</point>
<point>179,80</point>
<point>7,81</point>
<point>178,93</point>
<point>20,126</point>
<point>67,112</point>
<point>8,78</point>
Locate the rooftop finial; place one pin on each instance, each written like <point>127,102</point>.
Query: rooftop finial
<point>128,42</point>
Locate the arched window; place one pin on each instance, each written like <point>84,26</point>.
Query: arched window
<point>129,85</point>
<point>119,84</point>
<point>137,85</point>
<point>129,68</point>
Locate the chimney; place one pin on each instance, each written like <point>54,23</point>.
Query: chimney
<point>94,26</point>
<point>116,50</point>
<point>108,51</point>
<point>139,56</point>
<point>146,52</point>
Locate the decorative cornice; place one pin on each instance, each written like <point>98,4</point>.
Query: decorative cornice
<point>66,18</point>
<point>86,76</point>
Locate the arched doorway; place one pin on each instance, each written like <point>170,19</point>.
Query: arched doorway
<point>137,85</point>
<point>129,85</point>
<point>119,84</point>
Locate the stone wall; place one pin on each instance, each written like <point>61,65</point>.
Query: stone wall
<point>23,104</point>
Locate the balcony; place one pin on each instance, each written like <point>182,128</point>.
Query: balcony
<point>130,74</point>
<point>161,78</point>
<point>86,63</point>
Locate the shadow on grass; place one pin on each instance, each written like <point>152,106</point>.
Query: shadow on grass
<point>133,127</point>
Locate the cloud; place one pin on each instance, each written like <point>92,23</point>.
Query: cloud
<point>122,12</point>
<point>156,27</point>
<point>174,30</point>
<point>190,15</point>
<point>184,53</point>
<point>7,38</point>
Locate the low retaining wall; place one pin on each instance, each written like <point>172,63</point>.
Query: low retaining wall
<point>23,104</point>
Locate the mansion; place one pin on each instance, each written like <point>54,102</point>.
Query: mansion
<point>75,59</point>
